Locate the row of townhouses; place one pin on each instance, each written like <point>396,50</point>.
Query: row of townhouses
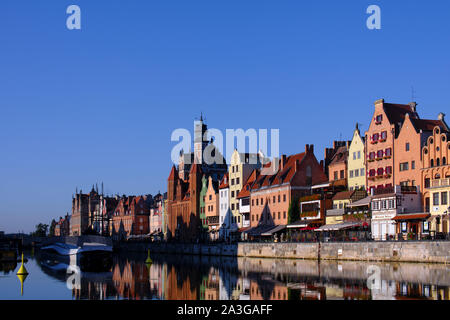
<point>391,182</point>
<point>120,217</point>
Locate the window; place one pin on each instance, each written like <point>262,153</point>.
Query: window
<point>351,173</point>
<point>232,194</point>
<point>380,154</point>
<point>210,197</point>
<point>237,180</point>
<point>438,162</point>
<point>335,175</point>
<point>362,172</point>
<point>342,174</point>
<point>359,154</point>
<point>274,199</point>
<point>404,166</point>
<point>262,201</point>
<point>257,202</point>
<point>232,206</point>
<point>284,214</point>
<point>388,152</point>
<point>375,137</point>
<point>432,163</point>
<point>388,170</point>
<point>436,199</point>
<point>253,202</point>
<point>427,182</point>
<point>443,198</point>
<point>284,198</point>
<point>384,135</point>
<point>279,215</point>
<point>378,119</point>
<point>279,198</point>
<point>232,168</point>
<point>356,173</point>
<point>354,155</point>
<point>372,156</point>
<point>407,146</point>
<point>404,225</point>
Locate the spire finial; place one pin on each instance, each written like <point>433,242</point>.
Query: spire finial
<point>201,116</point>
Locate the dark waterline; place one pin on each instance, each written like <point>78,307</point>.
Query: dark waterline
<point>175,277</point>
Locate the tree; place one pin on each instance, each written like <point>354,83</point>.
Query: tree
<point>293,211</point>
<point>51,231</point>
<point>41,230</point>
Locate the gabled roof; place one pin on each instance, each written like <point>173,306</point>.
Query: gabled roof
<point>245,191</point>
<point>173,173</point>
<point>396,112</point>
<point>344,195</point>
<point>224,183</point>
<point>341,155</point>
<point>428,125</point>
<point>284,175</point>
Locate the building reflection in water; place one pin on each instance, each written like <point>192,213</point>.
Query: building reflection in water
<point>174,277</point>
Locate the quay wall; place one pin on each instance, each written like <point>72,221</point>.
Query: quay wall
<point>407,251</point>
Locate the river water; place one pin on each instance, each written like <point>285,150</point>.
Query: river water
<point>175,277</point>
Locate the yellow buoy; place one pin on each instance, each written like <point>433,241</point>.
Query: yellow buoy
<point>22,269</point>
<point>22,278</point>
<point>149,260</point>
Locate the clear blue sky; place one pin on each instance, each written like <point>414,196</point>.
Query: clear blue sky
<point>80,107</point>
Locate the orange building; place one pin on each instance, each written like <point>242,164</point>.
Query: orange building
<point>271,195</point>
<point>380,141</point>
<point>411,139</point>
<point>338,167</point>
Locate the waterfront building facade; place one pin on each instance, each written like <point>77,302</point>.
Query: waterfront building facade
<point>183,191</point>
<point>436,178</point>
<point>338,167</point>
<point>412,137</point>
<point>380,141</point>
<point>356,162</point>
<point>270,195</point>
<point>389,202</point>
<point>212,212</point>
<point>241,166</point>
<point>225,215</point>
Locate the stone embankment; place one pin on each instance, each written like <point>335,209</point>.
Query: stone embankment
<point>408,251</point>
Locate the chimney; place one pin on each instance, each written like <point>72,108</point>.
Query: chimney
<point>283,161</point>
<point>311,148</point>
<point>441,116</point>
<point>413,106</point>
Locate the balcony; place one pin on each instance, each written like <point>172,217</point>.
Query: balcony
<point>212,220</point>
<point>439,183</point>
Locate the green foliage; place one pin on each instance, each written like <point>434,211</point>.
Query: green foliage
<point>51,231</point>
<point>294,211</point>
<point>41,230</point>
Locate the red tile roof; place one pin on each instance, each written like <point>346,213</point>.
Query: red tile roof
<point>414,216</point>
<point>173,173</point>
<point>245,191</point>
<point>224,183</point>
<point>285,173</point>
<point>344,195</point>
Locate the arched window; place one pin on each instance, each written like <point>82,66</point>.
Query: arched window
<point>437,176</point>
<point>431,163</point>
<point>444,161</point>
<point>438,162</point>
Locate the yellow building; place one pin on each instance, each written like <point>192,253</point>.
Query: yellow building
<point>340,202</point>
<point>356,162</point>
<point>241,166</point>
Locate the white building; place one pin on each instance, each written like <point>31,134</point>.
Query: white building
<point>225,214</point>
<point>386,204</point>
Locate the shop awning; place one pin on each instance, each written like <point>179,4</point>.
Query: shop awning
<point>360,203</point>
<point>412,216</point>
<point>274,230</point>
<point>299,224</point>
<point>258,230</point>
<point>339,226</point>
